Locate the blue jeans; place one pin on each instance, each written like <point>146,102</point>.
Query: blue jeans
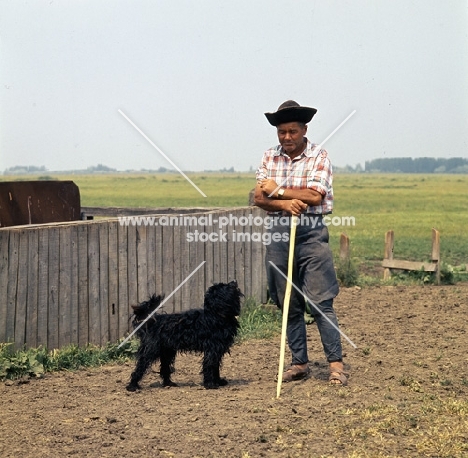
<point>314,274</point>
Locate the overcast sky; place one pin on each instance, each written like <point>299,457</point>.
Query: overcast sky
<point>196,77</point>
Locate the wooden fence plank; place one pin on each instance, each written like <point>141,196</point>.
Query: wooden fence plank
<point>53,308</point>
<point>32,290</point>
<point>197,255</point>
<point>104,281</point>
<point>158,259</point>
<point>142,264</point>
<point>209,267</point>
<point>224,251</point>
<point>264,295</point>
<point>242,233</point>
<point>263,277</point>
<point>74,279</point>
<point>43,287</point>
<point>215,272</point>
<point>408,265</point>
<point>64,292</point>
<point>168,266</point>
<point>231,247</point>
<point>151,259</point>
<point>388,252</point>
<point>435,255</point>
<point>197,234</point>
<point>257,259</point>
<point>110,212</point>
<point>21,292</point>
<point>4,241</point>
<point>248,254</point>
<point>180,258</point>
<point>113,282</point>
<point>124,306</point>
<point>132,275</point>
<point>94,323</point>
<point>83,285</point>
<point>12,284</point>
<point>344,247</point>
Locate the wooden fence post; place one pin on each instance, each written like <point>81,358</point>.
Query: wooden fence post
<point>388,254</point>
<point>435,256</point>
<point>344,247</point>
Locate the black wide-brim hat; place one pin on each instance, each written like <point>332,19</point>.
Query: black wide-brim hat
<point>291,111</point>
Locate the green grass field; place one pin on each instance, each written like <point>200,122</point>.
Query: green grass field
<point>409,204</point>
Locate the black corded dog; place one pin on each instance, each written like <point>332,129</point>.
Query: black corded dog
<point>210,331</point>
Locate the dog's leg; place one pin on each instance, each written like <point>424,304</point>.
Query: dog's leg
<point>167,366</point>
<point>211,370</point>
<point>220,381</point>
<point>142,365</point>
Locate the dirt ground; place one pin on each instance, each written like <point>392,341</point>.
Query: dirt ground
<point>410,361</point>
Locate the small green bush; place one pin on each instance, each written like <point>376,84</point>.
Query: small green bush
<point>448,276</point>
<point>347,272</point>
<point>258,321</point>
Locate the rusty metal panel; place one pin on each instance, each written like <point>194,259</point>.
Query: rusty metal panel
<point>38,202</point>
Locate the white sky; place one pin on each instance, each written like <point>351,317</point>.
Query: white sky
<point>197,75</point>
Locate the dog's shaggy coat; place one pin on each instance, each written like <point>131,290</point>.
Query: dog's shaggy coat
<point>210,331</point>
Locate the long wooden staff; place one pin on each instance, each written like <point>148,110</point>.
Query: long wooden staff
<point>287,298</point>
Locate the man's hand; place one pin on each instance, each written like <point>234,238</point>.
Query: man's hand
<point>269,186</point>
<point>295,206</point>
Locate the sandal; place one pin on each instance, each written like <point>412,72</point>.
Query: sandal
<point>338,375</point>
<point>296,372</point>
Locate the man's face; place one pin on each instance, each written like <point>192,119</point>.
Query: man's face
<point>291,137</point>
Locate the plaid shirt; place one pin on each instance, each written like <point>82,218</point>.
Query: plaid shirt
<point>311,170</point>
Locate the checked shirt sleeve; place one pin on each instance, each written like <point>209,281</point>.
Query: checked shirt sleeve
<point>262,171</point>
<point>320,175</point>
<point>320,179</point>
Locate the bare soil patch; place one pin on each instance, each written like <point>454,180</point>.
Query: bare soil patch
<point>406,396</point>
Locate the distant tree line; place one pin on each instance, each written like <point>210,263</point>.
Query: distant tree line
<point>418,165</point>
<point>384,165</point>
<point>100,168</point>
<point>348,169</point>
<point>24,169</point>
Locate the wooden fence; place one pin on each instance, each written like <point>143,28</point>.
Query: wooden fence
<point>389,263</point>
<point>74,282</point>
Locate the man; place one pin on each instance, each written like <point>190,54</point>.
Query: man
<point>295,178</point>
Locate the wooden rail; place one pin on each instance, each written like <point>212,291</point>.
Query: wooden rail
<point>111,212</point>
